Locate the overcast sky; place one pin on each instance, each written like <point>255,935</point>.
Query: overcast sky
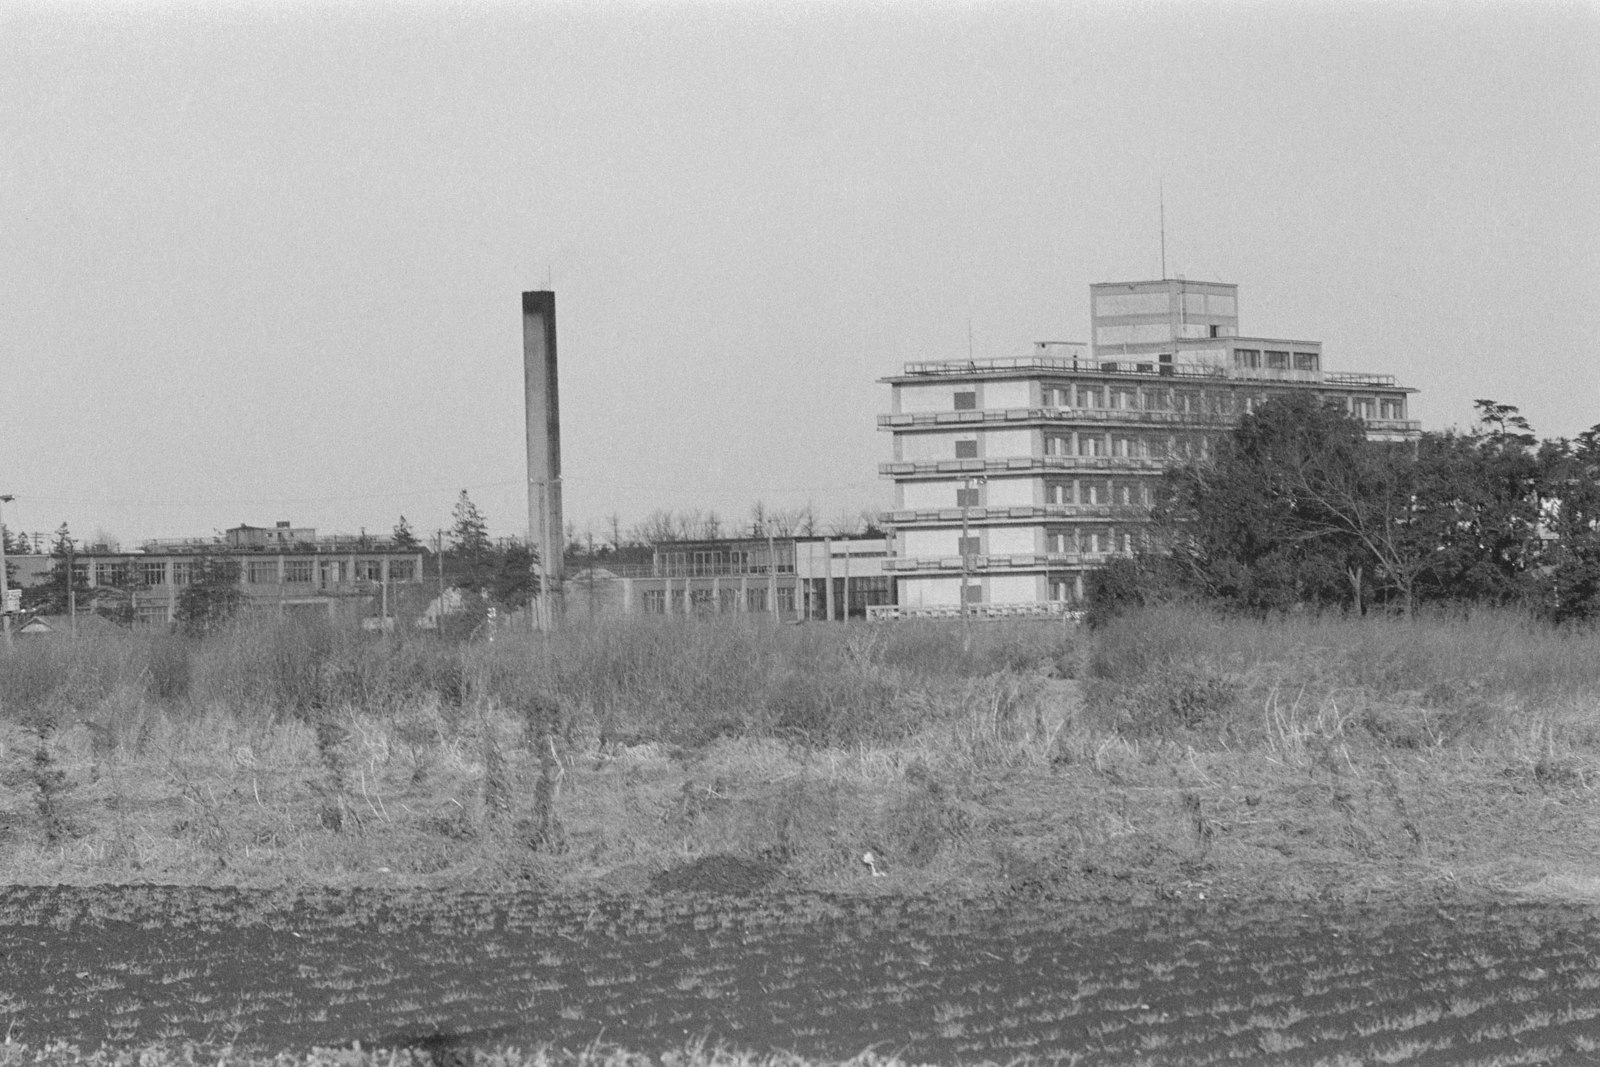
<point>262,261</point>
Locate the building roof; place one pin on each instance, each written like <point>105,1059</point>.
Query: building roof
<point>88,624</point>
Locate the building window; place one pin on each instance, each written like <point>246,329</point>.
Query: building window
<point>262,572</point>
<point>181,572</point>
<point>1247,357</point>
<point>1088,397</point>
<point>1058,492</point>
<point>972,593</point>
<point>153,573</point>
<point>785,598</point>
<point>968,546</point>
<point>755,600</point>
<point>1060,588</point>
<point>967,449</point>
<point>1305,361</point>
<point>400,570</point>
<point>967,401</point>
<point>150,615</point>
<point>967,498</point>
<point>1091,445</point>
<point>655,601</point>
<point>1060,541</point>
<point>727,601</point>
<point>1058,444</point>
<point>1277,360</point>
<point>297,570</point>
<point>370,570</point>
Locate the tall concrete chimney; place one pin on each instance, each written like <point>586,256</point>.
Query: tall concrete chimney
<point>544,445</point>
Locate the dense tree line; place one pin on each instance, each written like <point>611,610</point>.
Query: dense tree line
<point>1295,508</point>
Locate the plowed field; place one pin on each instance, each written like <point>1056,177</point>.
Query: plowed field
<point>824,977</point>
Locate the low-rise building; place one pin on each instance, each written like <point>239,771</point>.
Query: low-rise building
<point>789,578</point>
<point>282,569</point>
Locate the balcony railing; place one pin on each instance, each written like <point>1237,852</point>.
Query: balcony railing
<point>1143,366</point>
<point>696,570</point>
<point>1053,415</point>
<point>991,515</point>
<point>1042,610</point>
<point>1405,426</point>
<point>987,564</point>
<point>1350,377</point>
<point>1019,464</point>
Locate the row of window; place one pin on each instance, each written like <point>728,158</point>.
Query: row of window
<point>1195,402</point>
<point>1132,492</point>
<point>713,601</point>
<point>1128,446</point>
<point>1255,358</point>
<point>256,572</point>
<point>1069,540</point>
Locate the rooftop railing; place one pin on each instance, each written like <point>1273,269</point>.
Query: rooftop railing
<point>1143,367</point>
<point>1041,610</point>
<point>218,546</point>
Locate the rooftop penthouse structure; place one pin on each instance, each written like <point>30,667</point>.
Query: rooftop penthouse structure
<point>1015,477</point>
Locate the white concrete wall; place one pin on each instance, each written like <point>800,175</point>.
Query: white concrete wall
<point>930,592</point>
<point>923,446</point>
<point>928,544</point>
<point>1007,444</point>
<point>920,495</point>
<point>1013,540</point>
<point>1014,589</point>
<point>1006,395</point>
<point>934,397</point>
<point>1011,492</point>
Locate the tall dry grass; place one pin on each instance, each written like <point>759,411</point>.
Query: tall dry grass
<point>300,747</point>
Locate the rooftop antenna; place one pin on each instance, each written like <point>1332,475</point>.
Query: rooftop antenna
<point>1161,192</point>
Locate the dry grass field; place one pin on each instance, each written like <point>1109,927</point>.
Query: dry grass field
<point>1170,753</point>
<point>1173,760</point>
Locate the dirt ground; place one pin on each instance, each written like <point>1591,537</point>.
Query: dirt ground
<point>1190,983</point>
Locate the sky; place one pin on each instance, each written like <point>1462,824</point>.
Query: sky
<point>262,261</point>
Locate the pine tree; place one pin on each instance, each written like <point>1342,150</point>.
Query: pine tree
<point>404,538</point>
<point>470,545</point>
<point>54,595</point>
<point>212,596</point>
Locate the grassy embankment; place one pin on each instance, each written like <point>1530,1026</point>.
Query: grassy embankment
<point>1172,754</point>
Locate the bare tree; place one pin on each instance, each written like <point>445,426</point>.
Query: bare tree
<point>655,528</point>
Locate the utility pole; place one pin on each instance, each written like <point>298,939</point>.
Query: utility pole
<point>966,555</point>
<point>772,574</point>
<point>438,544</point>
<point>5,588</point>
